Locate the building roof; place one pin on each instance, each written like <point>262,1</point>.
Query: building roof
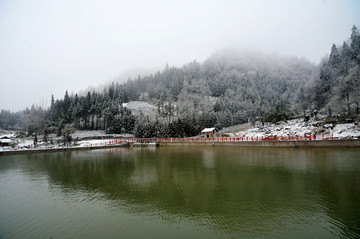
<point>208,130</point>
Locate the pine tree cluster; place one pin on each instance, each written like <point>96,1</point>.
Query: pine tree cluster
<point>338,86</point>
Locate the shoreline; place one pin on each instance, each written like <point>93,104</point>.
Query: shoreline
<point>335,143</point>
<point>50,150</point>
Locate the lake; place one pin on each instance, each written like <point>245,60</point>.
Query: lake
<point>181,192</point>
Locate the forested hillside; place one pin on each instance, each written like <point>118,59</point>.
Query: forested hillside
<point>338,86</point>
<point>229,88</point>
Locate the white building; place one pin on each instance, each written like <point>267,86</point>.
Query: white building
<point>5,142</point>
<point>209,132</point>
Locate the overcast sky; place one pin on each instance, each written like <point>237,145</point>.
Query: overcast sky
<point>47,47</point>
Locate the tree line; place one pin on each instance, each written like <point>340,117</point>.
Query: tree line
<point>231,87</point>
<point>338,86</point>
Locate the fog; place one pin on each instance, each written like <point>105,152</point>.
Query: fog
<point>47,47</point>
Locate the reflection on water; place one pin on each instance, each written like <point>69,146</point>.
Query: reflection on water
<point>181,192</point>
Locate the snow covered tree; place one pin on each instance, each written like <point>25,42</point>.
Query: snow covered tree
<point>355,44</point>
<point>67,132</point>
<point>334,58</point>
<point>259,95</point>
<point>66,107</point>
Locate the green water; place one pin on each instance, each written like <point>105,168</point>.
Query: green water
<point>181,192</point>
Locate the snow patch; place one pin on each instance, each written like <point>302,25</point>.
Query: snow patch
<point>346,130</point>
<point>301,128</point>
<point>138,107</point>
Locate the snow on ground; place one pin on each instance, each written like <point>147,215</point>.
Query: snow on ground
<point>138,107</point>
<point>300,128</point>
<point>97,134</point>
<point>82,138</point>
<point>93,142</point>
<point>347,130</point>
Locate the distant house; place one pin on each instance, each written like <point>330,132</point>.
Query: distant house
<point>5,141</point>
<point>210,132</point>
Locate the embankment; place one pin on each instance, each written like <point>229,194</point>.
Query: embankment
<point>62,149</point>
<point>339,143</point>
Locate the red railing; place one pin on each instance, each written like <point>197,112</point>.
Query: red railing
<point>219,139</point>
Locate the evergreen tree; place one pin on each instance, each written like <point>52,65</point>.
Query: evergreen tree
<point>52,101</point>
<point>334,58</point>
<point>355,44</point>
<point>66,107</point>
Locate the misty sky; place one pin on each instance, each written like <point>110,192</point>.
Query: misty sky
<point>47,47</point>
